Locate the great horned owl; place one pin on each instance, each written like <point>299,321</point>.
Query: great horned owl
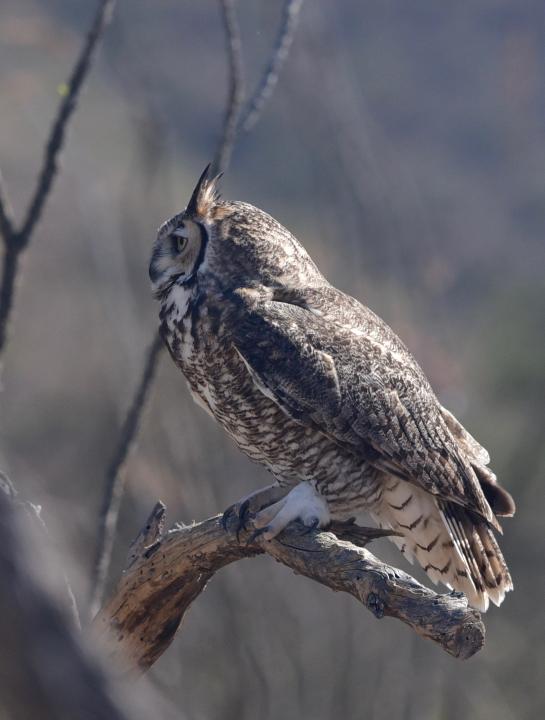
<point>314,386</point>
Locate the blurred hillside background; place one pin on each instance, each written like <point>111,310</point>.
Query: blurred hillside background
<point>405,147</point>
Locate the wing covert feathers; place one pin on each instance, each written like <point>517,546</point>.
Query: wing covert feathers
<point>362,389</point>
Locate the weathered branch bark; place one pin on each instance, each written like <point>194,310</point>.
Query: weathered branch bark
<point>167,572</point>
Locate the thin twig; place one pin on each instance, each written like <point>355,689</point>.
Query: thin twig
<point>10,264</point>
<point>55,142</point>
<point>7,290</point>
<point>16,240</point>
<point>115,477</point>
<point>6,214</point>
<point>265,89</point>
<point>236,87</point>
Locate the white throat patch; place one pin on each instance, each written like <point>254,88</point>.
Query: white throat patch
<point>179,296</point>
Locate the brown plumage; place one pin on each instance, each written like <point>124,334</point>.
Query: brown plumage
<point>313,385</point>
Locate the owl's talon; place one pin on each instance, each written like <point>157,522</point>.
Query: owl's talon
<point>239,512</point>
<point>238,515</point>
<point>257,533</point>
<point>244,513</point>
<point>243,517</point>
<point>314,524</point>
<point>227,516</point>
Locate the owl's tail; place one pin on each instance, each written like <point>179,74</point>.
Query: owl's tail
<point>451,546</point>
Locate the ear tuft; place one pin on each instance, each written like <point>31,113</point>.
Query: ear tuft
<point>205,195</point>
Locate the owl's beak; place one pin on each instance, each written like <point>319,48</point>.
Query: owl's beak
<point>154,271</point>
<point>161,258</point>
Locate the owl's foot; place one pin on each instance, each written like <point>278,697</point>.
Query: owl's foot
<point>238,515</point>
<point>302,503</point>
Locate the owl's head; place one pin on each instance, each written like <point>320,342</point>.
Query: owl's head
<point>233,244</point>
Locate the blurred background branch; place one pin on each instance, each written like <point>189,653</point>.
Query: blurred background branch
<point>116,477</point>
<point>279,55</point>
<point>45,671</point>
<point>17,238</point>
<point>235,98</point>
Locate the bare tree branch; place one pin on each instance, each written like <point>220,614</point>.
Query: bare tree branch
<point>236,87</point>
<point>115,477</point>
<point>265,89</point>
<point>55,142</point>
<point>140,620</point>
<point>16,239</point>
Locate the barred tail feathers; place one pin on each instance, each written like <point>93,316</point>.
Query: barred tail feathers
<point>449,545</point>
